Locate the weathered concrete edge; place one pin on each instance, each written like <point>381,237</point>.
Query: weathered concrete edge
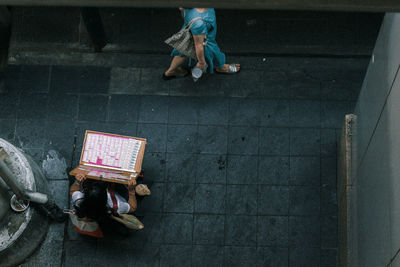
<point>345,174</point>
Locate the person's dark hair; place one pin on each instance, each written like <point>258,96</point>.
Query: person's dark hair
<point>94,203</point>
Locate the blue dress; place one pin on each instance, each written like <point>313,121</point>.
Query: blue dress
<point>207,26</point>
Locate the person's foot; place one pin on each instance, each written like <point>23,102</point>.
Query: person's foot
<point>178,72</point>
<point>229,68</point>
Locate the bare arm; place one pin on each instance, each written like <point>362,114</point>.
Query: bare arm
<point>199,47</point>
<point>132,197</point>
<point>79,178</point>
<point>132,200</point>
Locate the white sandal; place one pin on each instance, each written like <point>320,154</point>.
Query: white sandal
<point>232,69</point>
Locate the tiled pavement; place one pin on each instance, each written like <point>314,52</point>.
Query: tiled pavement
<point>244,166</point>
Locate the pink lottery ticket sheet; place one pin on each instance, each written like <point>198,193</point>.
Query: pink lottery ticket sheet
<point>110,151</point>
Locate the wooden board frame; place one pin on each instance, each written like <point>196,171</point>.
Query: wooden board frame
<point>85,168</point>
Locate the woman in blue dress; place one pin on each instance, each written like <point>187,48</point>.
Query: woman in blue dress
<point>208,56</point>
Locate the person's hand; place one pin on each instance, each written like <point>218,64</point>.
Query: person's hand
<point>201,65</point>
<point>80,177</point>
<point>132,184</point>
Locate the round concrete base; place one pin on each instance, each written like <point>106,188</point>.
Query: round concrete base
<point>21,233</point>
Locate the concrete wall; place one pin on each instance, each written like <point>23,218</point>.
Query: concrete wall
<point>375,235</point>
<point>143,30</point>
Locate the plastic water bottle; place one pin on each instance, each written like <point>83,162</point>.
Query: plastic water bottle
<point>196,73</point>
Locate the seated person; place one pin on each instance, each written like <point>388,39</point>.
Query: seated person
<point>96,199</point>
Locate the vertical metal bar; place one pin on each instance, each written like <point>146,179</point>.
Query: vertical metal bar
<point>10,180</point>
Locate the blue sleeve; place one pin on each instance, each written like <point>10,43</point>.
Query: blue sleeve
<point>198,27</point>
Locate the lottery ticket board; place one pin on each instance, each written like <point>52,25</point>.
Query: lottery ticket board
<point>111,157</point>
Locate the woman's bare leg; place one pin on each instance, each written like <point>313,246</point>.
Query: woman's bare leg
<point>225,68</point>
<point>175,68</point>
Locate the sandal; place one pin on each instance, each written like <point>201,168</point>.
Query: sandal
<point>232,69</point>
<point>128,220</point>
<point>179,75</point>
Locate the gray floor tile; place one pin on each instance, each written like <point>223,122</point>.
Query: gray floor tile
<point>328,142</point>
<point>240,256</point>
<point>35,79</point>
<point>211,169</point>
<point>179,197</point>
<point>9,106</point>
<point>123,108</point>
<point>12,80</point>
<point>328,200</point>
<point>274,141</point>
<point>243,140</point>
<point>7,129</point>
<point>37,154</point>
<point>305,113</point>
<point>125,81</point>
<point>30,133</point>
<point>329,232</point>
<point>183,110</point>
<point>304,257</point>
<point>123,128</point>
<point>208,229</point>
<point>107,254</point>
<point>305,171</point>
<point>176,255</point>
<point>93,108</point>
<point>178,228</point>
<point>62,107</point>
<point>154,202</point>
<point>60,137</point>
<point>340,89</point>
<point>73,250</point>
<point>273,231</point>
<point>273,170</point>
<point>272,256</point>
<point>273,200</point>
<point>242,170</point>
<point>151,82</point>
<point>156,136</point>
<point>241,199</point>
<point>182,138</point>
<point>181,167</point>
<point>304,200</point>
<point>241,230</point>
<point>333,112</point>
<point>247,83</point>
<point>28,106</point>
<point>275,113</point>
<point>274,85</point>
<point>148,256</point>
<point>329,257</point>
<point>244,111</point>
<point>305,142</point>
<point>210,198</point>
<point>153,109</point>
<point>304,231</point>
<point>49,254</point>
<point>151,235</point>
<point>212,139</point>
<point>80,79</point>
<point>328,172</point>
<point>302,86</point>
<point>154,166</point>
<point>213,111</point>
<point>206,255</point>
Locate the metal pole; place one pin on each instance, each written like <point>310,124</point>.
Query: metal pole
<point>10,180</point>
<point>20,192</point>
